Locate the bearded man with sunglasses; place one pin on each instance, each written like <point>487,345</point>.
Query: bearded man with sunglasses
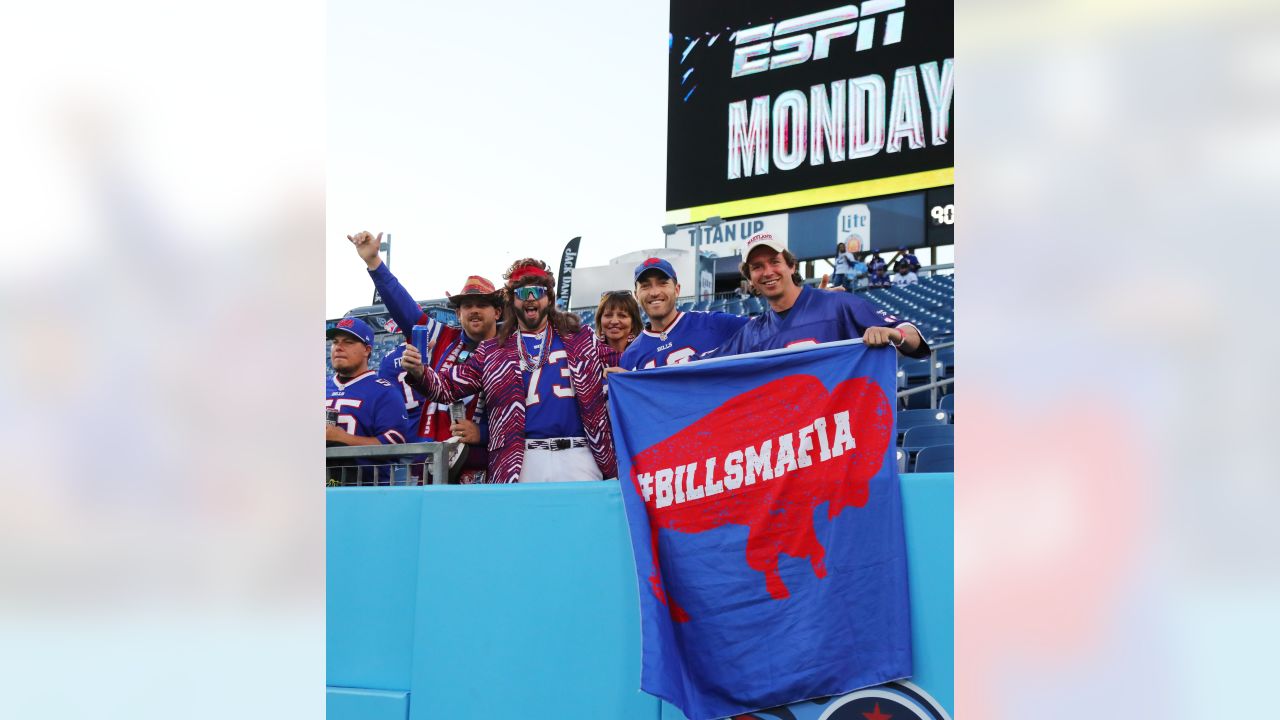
<point>543,383</point>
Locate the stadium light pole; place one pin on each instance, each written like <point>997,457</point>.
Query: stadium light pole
<point>713,221</point>
<point>669,230</point>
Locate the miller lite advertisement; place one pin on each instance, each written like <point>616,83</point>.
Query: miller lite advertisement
<point>773,97</point>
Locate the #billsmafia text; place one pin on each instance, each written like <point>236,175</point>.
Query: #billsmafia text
<point>742,468</point>
<point>845,120</point>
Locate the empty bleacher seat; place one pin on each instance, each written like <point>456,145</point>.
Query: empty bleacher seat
<point>912,371</point>
<point>908,419</point>
<point>922,436</point>
<point>948,403</point>
<point>935,458</point>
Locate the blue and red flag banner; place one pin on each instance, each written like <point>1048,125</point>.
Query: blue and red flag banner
<point>762,498</point>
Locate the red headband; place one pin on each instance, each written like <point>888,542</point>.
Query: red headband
<point>528,270</point>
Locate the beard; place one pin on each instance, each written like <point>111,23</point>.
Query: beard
<point>530,325</point>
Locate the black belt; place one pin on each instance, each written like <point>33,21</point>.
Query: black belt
<point>555,443</point>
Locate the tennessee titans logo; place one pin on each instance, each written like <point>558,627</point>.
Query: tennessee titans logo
<point>891,701</point>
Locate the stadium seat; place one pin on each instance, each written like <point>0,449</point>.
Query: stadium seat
<point>912,371</point>
<point>948,403</point>
<point>947,356</point>
<point>916,401</point>
<point>685,306</point>
<point>922,436</point>
<point>902,459</point>
<point>935,458</point>
<point>908,419</point>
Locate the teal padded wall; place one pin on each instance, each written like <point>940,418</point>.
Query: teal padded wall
<point>510,600</point>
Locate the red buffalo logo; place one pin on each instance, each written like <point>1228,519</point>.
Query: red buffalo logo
<point>346,323</point>
<point>652,261</point>
<point>767,459</point>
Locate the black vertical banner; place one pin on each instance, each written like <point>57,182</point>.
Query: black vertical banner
<point>568,259</point>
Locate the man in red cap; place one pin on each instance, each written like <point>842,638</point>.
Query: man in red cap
<point>478,304</point>
<point>543,383</point>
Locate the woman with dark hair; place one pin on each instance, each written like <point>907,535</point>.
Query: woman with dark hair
<point>618,319</point>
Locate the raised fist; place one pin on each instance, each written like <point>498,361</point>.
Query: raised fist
<point>367,246</point>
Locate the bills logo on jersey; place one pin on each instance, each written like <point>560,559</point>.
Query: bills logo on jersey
<point>887,317</point>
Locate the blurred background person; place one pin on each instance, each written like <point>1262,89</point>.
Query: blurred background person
<point>904,276</point>
<point>904,256</point>
<point>843,275</point>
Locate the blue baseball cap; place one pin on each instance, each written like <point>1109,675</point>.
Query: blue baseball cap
<point>355,327</point>
<point>658,264</point>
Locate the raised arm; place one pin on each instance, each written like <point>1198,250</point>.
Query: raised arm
<point>403,308</point>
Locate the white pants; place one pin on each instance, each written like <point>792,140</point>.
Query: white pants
<point>569,465</point>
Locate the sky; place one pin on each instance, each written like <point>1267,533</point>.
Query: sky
<point>479,134</point>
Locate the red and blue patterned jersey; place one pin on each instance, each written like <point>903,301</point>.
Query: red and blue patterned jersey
<point>551,411</point>
<point>818,316</point>
<point>414,401</point>
<point>690,335</point>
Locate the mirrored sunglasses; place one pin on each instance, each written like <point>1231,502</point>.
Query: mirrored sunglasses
<point>530,292</point>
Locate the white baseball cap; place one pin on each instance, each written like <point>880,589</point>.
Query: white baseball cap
<point>763,239</point>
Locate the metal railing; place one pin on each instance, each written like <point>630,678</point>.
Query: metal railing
<point>935,384</point>
<point>405,464</point>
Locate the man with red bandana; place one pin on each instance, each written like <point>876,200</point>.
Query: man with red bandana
<point>543,383</point>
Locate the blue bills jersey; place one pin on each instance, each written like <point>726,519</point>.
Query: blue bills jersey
<point>370,406</point>
<point>551,409</point>
<point>414,401</point>
<point>818,316</point>
<point>690,335</point>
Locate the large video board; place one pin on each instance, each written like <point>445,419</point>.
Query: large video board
<point>777,97</point>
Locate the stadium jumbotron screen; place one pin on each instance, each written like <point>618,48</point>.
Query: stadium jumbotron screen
<point>775,97</point>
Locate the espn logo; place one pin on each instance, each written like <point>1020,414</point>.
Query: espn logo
<point>754,44</point>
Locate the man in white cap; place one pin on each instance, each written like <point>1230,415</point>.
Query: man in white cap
<point>799,315</point>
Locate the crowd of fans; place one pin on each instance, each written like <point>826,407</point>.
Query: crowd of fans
<point>520,387</point>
